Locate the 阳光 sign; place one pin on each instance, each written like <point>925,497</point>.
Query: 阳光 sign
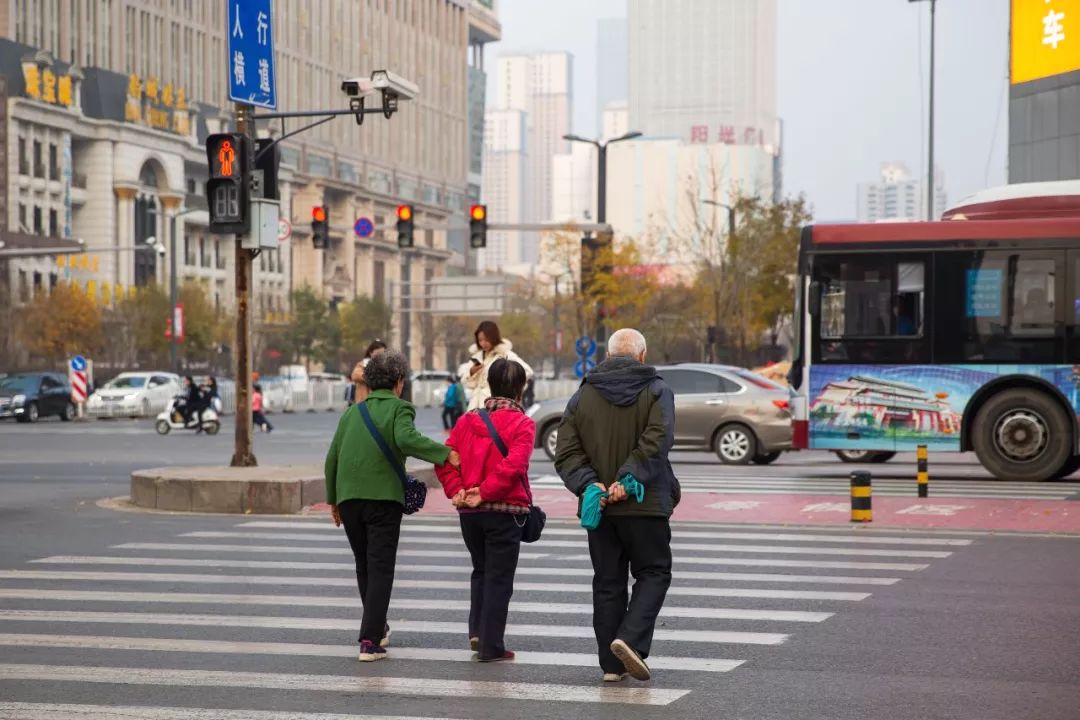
<point>1045,38</point>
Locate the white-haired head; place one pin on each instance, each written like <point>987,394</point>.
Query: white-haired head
<point>627,343</point>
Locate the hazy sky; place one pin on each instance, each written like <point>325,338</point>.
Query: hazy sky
<point>848,86</point>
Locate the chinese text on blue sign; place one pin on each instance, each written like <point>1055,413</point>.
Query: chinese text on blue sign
<point>251,53</point>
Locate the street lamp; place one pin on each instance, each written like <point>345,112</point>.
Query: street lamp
<point>601,209</point>
<point>930,134</point>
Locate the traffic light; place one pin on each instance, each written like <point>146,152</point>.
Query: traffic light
<point>228,155</point>
<point>405,226</point>
<point>320,227</point>
<point>478,227</point>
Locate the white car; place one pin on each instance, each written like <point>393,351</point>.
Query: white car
<point>134,394</point>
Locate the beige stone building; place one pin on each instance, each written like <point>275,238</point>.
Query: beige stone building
<point>108,104</point>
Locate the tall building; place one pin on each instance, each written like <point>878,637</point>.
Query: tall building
<point>704,71</point>
<point>538,85</point>
<point>573,190</point>
<point>615,120</point>
<point>111,102</point>
<point>505,190</point>
<point>612,63</point>
<point>1044,91</point>
<point>897,196</point>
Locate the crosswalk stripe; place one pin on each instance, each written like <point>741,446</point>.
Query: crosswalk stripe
<point>345,684</point>
<point>415,626</point>
<point>524,657</point>
<point>440,604</point>
<point>767,549</point>
<point>72,711</point>
<point>780,537</point>
<point>584,588</point>
<point>524,570</point>
<point>878,492</point>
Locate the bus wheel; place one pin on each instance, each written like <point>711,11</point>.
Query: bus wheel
<point>1071,466</point>
<point>1022,435</point>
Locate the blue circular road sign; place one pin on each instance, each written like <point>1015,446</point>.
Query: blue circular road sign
<point>78,363</point>
<point>363,227</point>
<point>583,366</point>
<point>585,346</point>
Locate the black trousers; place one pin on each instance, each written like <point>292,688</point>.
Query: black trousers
<point>450,417</point>
<point>642,546</point>
<point>258,419</point>
<point>494,541</point>
<point>373,528</point>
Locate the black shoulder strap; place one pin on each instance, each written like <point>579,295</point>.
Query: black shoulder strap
<point>377,436</point>
<point>486,417</point>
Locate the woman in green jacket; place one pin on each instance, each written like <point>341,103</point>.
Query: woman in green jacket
<point>365,492</point>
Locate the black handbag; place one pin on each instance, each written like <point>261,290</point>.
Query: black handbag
<point>533,525</point>
<point>415,491</point>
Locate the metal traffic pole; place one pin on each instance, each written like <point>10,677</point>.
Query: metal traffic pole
<point>243,454</point>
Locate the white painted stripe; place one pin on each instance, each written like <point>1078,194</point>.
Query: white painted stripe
<point>414,584</point>
<point>415,604</point>
<point>358,684</point>
<point>780,537</point>
<point>844,483</point>
<point>407,626</point>
<point>68,711</point>
<point>768,549</point>
<point>878,492</point>
<point>229,647</point>
<point>404,568</point>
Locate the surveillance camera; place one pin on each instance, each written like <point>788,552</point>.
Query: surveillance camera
<point>394,85</point>
<point>357,87</point>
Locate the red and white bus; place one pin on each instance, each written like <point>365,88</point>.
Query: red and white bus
<point>961,335</point>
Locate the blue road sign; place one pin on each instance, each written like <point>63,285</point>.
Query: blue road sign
<point>585,346</point>
<point>251,53</point>
<point>363,227</point>
<point>78,363</point>
<point>583,366</point>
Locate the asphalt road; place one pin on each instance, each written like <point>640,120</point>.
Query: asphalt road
<point>159,616</point>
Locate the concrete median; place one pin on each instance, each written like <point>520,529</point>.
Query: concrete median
<point>267,490</point>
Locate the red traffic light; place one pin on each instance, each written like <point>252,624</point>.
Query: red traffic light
<point>405,212</point>
<point>478,212</point>
<point>318,214</point>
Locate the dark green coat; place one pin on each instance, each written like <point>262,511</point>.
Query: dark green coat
<point>621,420</point>
<point>355,467</point>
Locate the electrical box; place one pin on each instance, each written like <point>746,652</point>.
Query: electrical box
<point>264,226</point>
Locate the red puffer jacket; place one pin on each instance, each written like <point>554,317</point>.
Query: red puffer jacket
<point>500,479</point>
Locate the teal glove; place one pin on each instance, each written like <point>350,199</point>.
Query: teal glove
<point>633,488</point>
<point>590,507</point>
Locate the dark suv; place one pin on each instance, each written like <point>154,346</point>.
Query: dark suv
<point>29,396</point>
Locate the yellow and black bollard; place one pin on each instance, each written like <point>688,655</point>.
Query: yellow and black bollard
<point>860,497</point>
<point>923,471</point>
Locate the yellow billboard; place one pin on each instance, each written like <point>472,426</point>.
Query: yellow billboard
<point>1045,38</point>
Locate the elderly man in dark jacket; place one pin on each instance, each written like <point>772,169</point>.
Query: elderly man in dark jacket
<point>621,423</point>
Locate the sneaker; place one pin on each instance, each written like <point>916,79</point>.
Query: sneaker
<point>631,660</point>
<point>614,677</point>
<point>474,644</point>
<point>370,652</point>
<point>385,642</point>
<point>508,655</point>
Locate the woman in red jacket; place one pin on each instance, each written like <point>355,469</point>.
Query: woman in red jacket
<point>491,492</point>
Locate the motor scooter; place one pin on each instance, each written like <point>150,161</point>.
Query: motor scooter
<point>172,418</point>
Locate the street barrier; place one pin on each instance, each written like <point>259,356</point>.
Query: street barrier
<point>860,497</point>
<point>923,470</point>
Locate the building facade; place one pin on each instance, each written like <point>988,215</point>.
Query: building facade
<point>704,71</point>
<point>505,187</point>
<point>111,102</point>
<point>1044,91</point>
<point>897,196</point>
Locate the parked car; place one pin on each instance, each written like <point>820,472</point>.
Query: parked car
<point>134,394</point>
<point>29,396</point>
<point>740,416</point>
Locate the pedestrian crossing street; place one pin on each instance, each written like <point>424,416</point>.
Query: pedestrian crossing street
<point>746,482</point>
<point>255,619</point>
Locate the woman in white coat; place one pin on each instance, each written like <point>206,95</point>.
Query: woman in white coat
<point>490,346</point>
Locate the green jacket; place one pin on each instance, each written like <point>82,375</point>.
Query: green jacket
<point>621,421</point>
<point>355,467</point>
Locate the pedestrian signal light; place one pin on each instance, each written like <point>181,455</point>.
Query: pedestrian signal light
<point>478,227</point>
<point>320,227</point>
<point>405,226</point>
<point>227,155</point>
